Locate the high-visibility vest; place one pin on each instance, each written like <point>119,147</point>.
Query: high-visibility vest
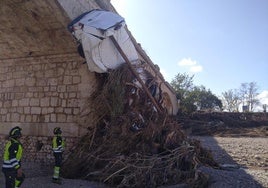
<point>12,154</point>
<point>58,144</point>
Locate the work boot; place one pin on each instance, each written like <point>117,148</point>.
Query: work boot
<point>56,180</point>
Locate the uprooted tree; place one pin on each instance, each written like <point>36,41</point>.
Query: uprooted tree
<point>132,144</point>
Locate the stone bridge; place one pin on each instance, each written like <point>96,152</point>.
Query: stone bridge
<point>42,78</point>
<point>43,81</point>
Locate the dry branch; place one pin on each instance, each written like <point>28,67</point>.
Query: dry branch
<point>132,145</point>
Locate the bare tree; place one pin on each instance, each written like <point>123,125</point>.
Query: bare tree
<point>231,100</point>
<point>248,94</point>
<point>244,93</point>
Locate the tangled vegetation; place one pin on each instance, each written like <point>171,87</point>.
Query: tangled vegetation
<point>132,145</point>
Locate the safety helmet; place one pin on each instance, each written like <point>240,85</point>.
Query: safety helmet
<point>57,130</point>
<point>15,132</point>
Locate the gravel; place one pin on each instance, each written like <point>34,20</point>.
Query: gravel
<point>244,161</point>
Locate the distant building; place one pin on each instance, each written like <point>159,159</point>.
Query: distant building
<point>245,108</point>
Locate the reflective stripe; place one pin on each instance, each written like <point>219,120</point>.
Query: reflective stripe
<point>7,166</point>
<point>13,148</point>
<point>57,144</point>
<point>11,163</point>
<point>58,148</point>
<point>57,151</point>
<point>56,172</point>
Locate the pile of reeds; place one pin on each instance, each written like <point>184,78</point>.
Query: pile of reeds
<point>133,145</point>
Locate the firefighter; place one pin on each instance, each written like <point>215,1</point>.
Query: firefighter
<point>58,148</point>
<point>12,159</point>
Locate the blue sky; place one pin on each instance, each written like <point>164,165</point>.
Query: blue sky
<point>222,42</point>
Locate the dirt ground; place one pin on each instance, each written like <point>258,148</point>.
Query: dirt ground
<point>239,146</point>
<point>238,142</point>
<point>244,162</point>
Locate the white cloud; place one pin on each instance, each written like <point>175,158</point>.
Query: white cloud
<point>263,97</point>
<point>191,65</point>
<point>197,68</point>
<point>187,62</point>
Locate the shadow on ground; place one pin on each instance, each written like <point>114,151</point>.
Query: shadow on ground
<point>231,174</point>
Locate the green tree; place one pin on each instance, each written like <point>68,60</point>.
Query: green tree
<point>182,84</point>
<point>187,104</point>
<point>193,97</point>
<point>205,99</point>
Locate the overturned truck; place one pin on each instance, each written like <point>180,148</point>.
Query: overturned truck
<point>134,141</point>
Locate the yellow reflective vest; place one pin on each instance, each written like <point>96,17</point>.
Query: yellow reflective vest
<point>12,154</point>
<point>58,144</point>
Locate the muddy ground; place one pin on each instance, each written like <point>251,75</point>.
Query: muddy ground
<point>239,145</point>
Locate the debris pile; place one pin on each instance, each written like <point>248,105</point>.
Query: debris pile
<point>225,124</point>
<point>132,144</point>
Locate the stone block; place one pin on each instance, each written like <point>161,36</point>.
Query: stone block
<point>19,110</point>
<point>15,103</point>
<point>62,88</point>
<point>72,88</point>
<point>28,118</point>
<point>19,82</point>
<point>27,110</point>
<point>72,95</point>
<point>8,83</point>
<point>22,118</point>
<point>15,117</point>
<point>29,94</point>
<point>24,102</point>
<point>68,110</point>
<point>52,81</point>
<point>59,110</point>
<point>53,118</point>
<point>72,103</point>
<point>44,102</point>
<point>35,110</point>
<point>3,111</point>
<point>30,81</point>
<point>34,102</point>
<point>61,118</point>
<point>76,79</point>
<point>53,101</point>
<point>67,80</point>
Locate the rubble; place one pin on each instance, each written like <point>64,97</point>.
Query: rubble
<point>225,124</point>
<point>132,144</point>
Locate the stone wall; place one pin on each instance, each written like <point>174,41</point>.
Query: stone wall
<point>39,149</point>
<point>41,93</point>
<point>46,90</point>
<point>43,82</point>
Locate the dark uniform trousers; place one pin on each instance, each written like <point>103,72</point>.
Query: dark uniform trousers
<point>11,178</point>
